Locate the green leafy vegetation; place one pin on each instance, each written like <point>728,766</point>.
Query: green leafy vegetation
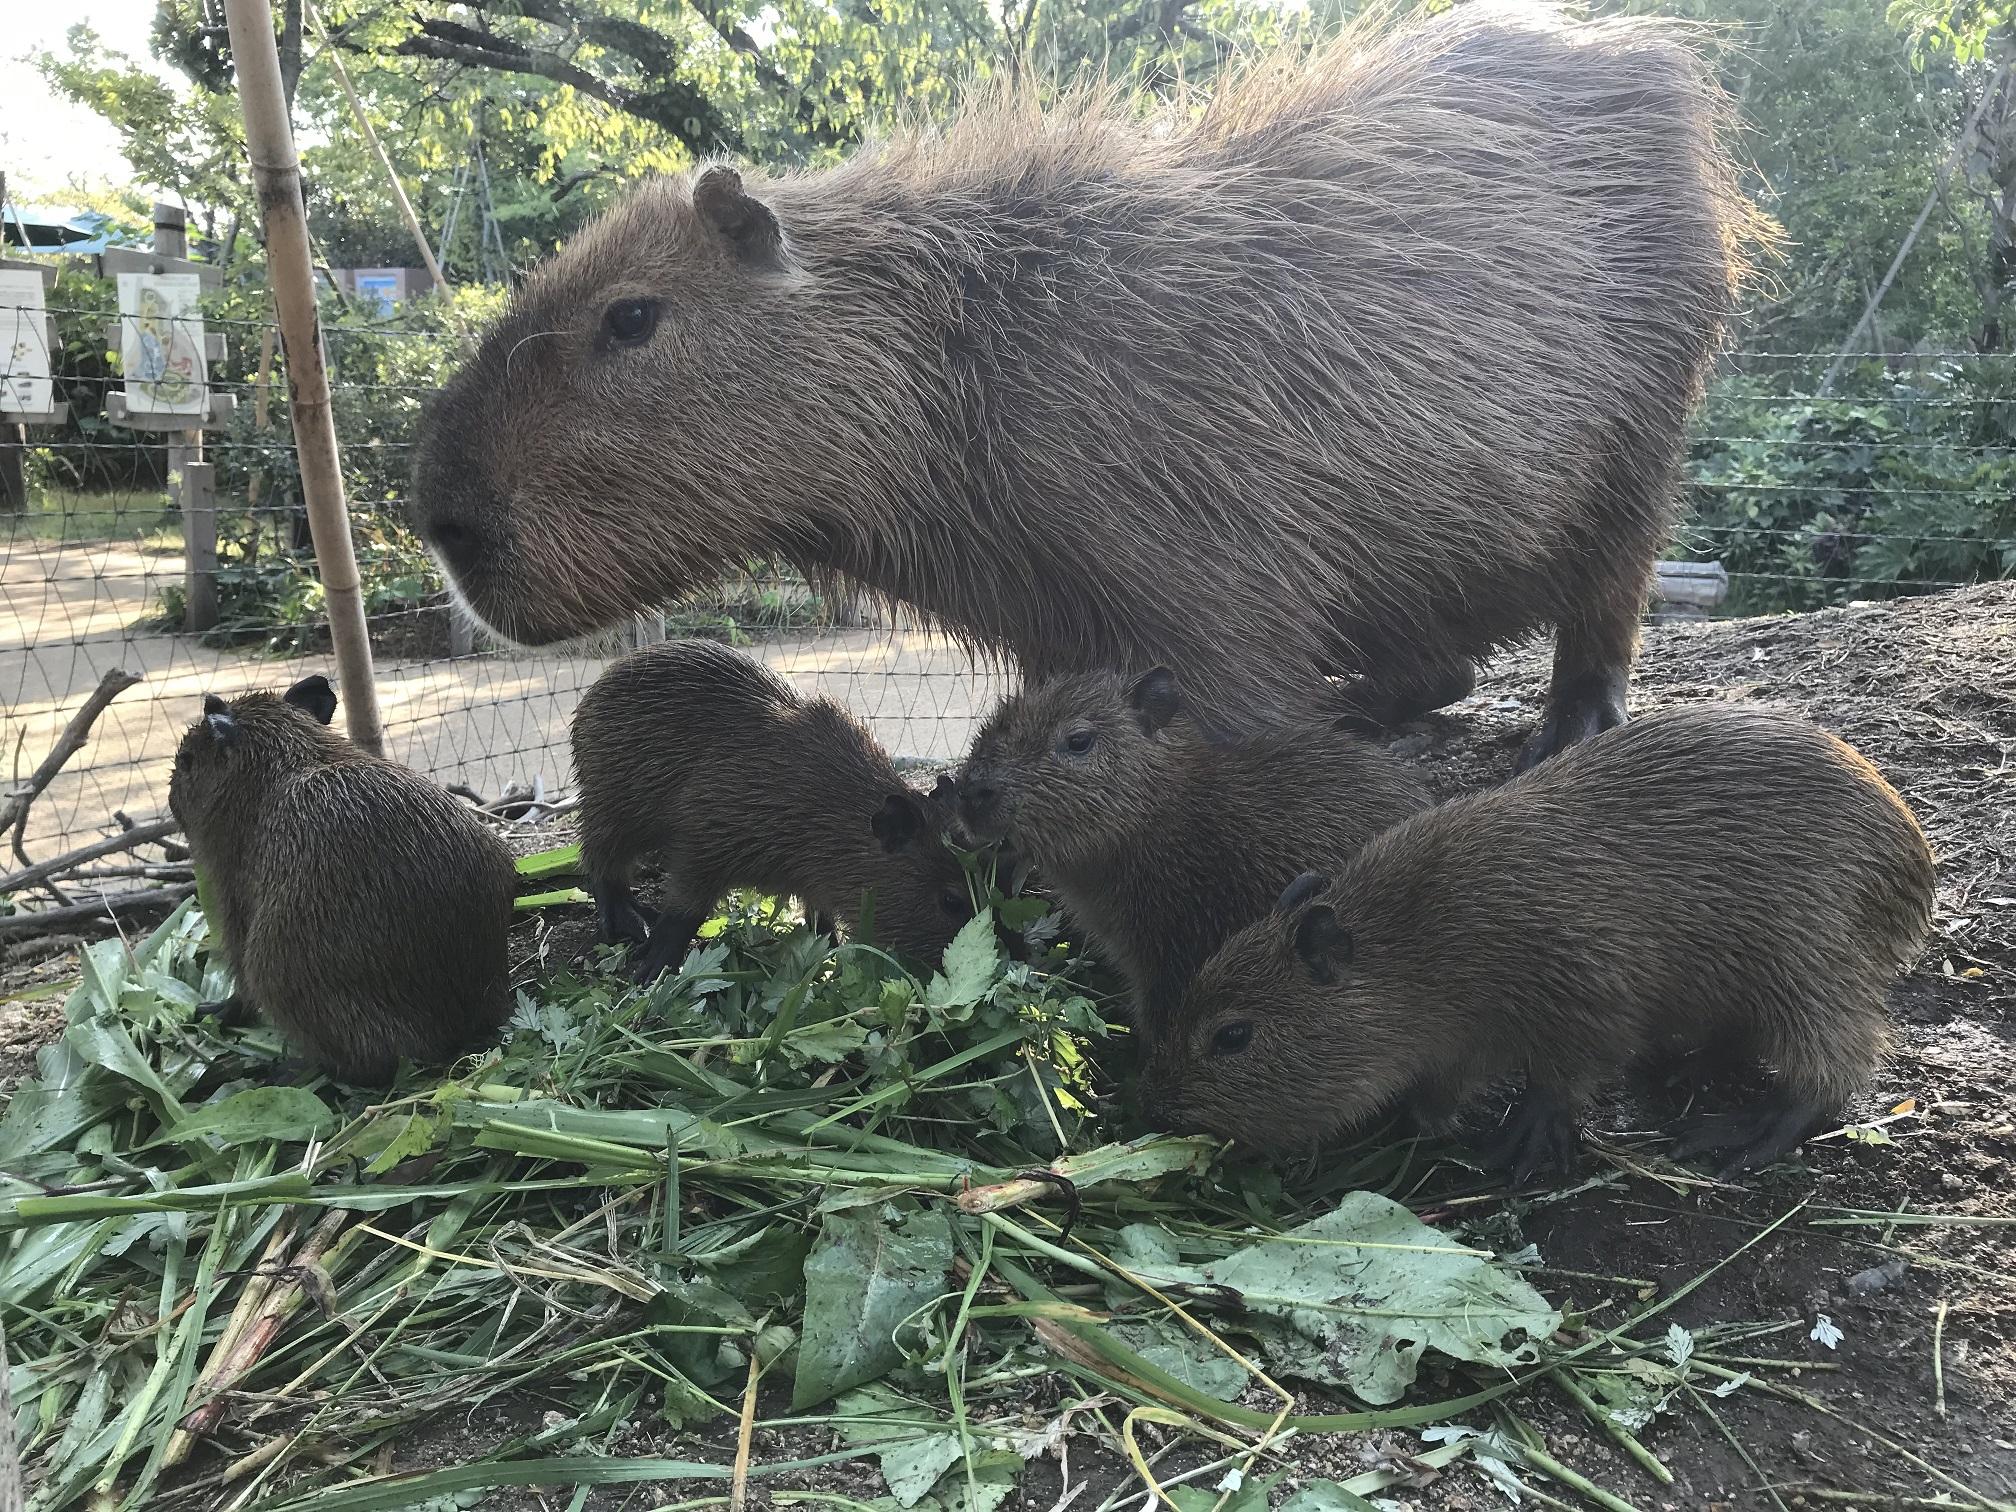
<point>768,1156</point>
<point>792,1181</point>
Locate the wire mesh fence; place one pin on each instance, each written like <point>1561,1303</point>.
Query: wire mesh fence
<point>183,556</point>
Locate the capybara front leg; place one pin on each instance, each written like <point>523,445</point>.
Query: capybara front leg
<point>1543,1130</point>
<point>1754,1139</point>
<point>618,918</point>
<point>230,1012</point>
<point>1380,702</point>
<point>1592,676</point>
<point>670,937</point>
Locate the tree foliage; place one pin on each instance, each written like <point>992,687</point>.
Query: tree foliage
<point>1877,138</point>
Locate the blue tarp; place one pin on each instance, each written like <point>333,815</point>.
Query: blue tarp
<point>61,229</point>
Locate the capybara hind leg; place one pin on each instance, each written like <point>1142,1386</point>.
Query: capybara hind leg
<point>1753,1139</point>
<point>1592,675</point>
<point>821,922</point>
<point>1543,1130</point>
<point>670,938</point>
<point>618,918</point>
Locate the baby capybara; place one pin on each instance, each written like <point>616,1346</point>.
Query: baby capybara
<point>1715,878</point>
<point>1159,836</point>
<point>362,910</point>
<point>708,760</point>
<point>1380,360</point>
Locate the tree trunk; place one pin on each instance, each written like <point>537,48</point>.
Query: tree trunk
<point>290,48</point>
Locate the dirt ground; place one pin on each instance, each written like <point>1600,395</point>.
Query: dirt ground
<point>1922,1383</point>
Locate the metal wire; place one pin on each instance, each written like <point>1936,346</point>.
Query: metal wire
<point>92,573</point>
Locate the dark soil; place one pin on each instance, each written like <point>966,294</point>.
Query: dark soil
<point>1926,688</point>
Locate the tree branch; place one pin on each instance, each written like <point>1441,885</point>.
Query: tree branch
<point>139,835</point>
<point>14,812</point>
<point>678,107</point>
<point>105,908</point>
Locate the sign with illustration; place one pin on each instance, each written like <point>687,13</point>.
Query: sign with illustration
<point>379,290</point>
<point>161,330</point>
<point>25,384</point>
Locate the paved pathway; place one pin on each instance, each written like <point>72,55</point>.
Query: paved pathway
<point>67,616</point>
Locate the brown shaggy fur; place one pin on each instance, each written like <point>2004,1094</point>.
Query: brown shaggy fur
<point>362,909</point>
<point>1159,839</point>
<point>1378,363</point>
<point>1720,877</point>
<point>707,759</point>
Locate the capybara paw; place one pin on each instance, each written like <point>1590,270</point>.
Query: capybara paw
<point>1573,716</point>
<point>226,1012</point>
<point>619,921</point>
<point>1753,1140</point>
<point>1540,1133</point>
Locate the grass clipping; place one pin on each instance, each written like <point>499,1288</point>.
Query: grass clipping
<point>791,1161</point>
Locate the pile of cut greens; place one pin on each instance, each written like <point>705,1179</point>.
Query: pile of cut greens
<point>790,1185</point>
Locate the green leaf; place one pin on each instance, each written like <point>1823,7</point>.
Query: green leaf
<point>833,1040</point>
<point>871,1269</point>
<point>105,1042</point>
<point>913,1443</point>
<point>395,1138</point>
<point>1141,1159</point>
<point>1326,1496</point>
<point>560,861</point>
<point>972,962</point>
<point>1356,1297</point>
<point>203,893</point>
<point>556,899</point>
<point>1017,914</point>
<point>284,1115</point>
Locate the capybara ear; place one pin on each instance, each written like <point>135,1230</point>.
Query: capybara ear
<point>946,790</point>
<point>899,821</point>
<point>1300,891</point>
<point>220,721</point>
<point>1323,944</point>
<point>316,696</point>
<point>1154,698</point>
<point>745,222</point>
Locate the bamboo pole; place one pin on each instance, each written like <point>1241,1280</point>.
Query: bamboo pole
<point>364,125</point>
<point>276,175</point>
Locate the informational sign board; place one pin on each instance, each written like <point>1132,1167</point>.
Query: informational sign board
<point>379,290</point>
<point>161,344</point>
<point>26,387</point>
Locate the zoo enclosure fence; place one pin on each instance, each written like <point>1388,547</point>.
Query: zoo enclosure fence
<point>112,556</point>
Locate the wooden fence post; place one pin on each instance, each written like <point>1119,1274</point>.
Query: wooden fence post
<point>196,486</point>
<point>189,476</point>
<point>276,176</point>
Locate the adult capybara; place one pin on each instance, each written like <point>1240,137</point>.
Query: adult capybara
<point>1377,363</point>
<point>708,760</point>
<point>363,910</point>
<point>1160,837</point>
<point>1718,878</point>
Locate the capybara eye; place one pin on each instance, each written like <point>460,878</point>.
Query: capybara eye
<point>1078,742</point>
<point>630,322</point>
<point>1233,1038</point>
<point>955,902</point>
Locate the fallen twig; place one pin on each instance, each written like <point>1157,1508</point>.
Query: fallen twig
<point>268,1301</point>
<point>110,907</point>
<point>56,866</point>
<point>10,1458</point>
<point>14,813</point>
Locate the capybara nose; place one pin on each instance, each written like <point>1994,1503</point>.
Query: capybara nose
<point>977,796</point>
